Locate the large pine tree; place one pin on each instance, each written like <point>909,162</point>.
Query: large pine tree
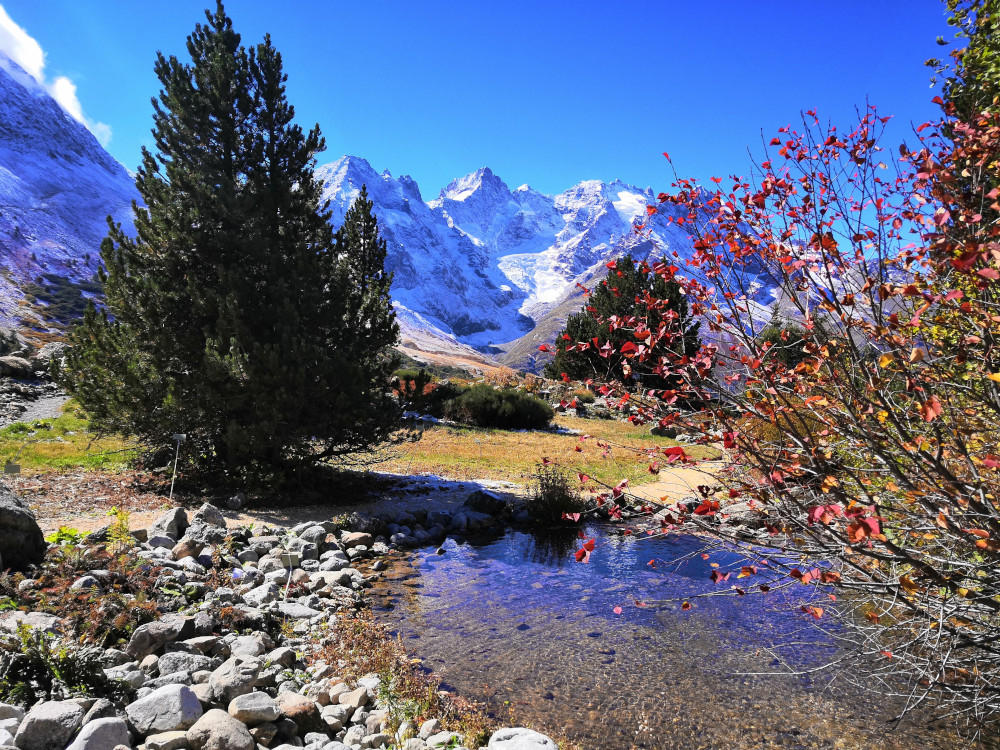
<point>612,312</point>
<point>234,315</point>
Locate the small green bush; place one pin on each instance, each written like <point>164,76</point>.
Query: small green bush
<point>551,495</point>
<point>485,406</point>
<point>584,396</point>
<point>36,666</point>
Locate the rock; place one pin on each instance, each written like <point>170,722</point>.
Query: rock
<point>86,583</point>
<point>102,709</point>
<point>49,726</point>
<point>8,711</point>
<point>264,733</point>
<point>176,740</point>
<point>283,656</point>
<point>166,709</point>
<point>254,644</point>
<point>11,621</point>
<point>21,540</point>
<point>254,708</point>
<point>152,636</point>
<point>447,739</point>
<point>520,738</point>
<point>414,744</point>
<point>210,515</point>
<point>217,730</point>
<point>187,547</point>
<point>429,727</point>
<point>178,661</point>
<point>354,698</point>
<point>16,367</point>
<point>297,611</point>
<point>304,712</point>
<point>357,538</point>
<point>237,501</point>
<point>485,501</point>
<point>173,524</point>
<point>101,734</point>
<point>234,678</point>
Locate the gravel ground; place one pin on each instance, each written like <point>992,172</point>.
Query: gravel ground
<point>82,499</point>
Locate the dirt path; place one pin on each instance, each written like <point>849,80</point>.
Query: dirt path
<point>676,483</point>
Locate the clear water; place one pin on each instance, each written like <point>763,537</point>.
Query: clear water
<point>518,622</point>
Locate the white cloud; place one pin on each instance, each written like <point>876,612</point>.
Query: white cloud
<point>23,49</point>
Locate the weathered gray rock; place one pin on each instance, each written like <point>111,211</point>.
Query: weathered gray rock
<point>430,727</point>
<point>21,540</point>
<point>297,611</point>
<point>254,708</point>
<point>152,636</point>
<point>234,678</point>
<point>357,538</point>
<point>520,738</point>
<point>16,367</point>
<point>49,726</point>
<point>102,709</point>
<point>176,740</point>
<point>178,661</point>
<point>8,711</point>
<point>172,524</point>
<point>166,709</point>
<point>354,698</point>
<point>11,621</point>
<point>209,514</point>
<point>101,734</point>
<point>217,730</point>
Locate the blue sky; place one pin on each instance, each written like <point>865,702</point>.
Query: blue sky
<point>544,93</point>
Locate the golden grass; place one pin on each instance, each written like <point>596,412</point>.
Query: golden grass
<point>471,453</point>
<point>61,443</point>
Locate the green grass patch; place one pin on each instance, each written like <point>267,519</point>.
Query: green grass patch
<point>470,453</point>
<point>62,443</point>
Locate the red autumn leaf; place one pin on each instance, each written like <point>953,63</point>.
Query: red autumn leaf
<point>816,612</point>
<point>989,273</point>
<point>717,576</point>
<point>686,606</point>
<point>545,348</point>
<point>931,409</point>
<point>617,610</point>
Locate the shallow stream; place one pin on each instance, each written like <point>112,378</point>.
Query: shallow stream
<point>518,622</point>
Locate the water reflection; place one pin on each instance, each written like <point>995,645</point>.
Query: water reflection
<point>517,619</point>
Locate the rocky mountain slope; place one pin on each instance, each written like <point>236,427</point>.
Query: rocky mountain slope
<point>57,187</point>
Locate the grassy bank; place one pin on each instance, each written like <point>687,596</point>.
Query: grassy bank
<point>65,442</point>
<point>470,453</point>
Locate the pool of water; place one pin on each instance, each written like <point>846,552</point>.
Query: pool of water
<point>518,622</point>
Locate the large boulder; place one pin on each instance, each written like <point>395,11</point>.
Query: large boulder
<point>49,726</point>
<point>173,523</point>
<point>101,734</point>
<point>21,541</point>
<point>16,367</point>
<point>217,730</point>
<point>167,709</point>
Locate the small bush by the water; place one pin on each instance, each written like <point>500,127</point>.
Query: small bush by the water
<point>485,406</point>
<point>552,495</point>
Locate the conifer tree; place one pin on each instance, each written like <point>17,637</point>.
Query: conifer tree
<point>612,313</point>
<point>233,315</point>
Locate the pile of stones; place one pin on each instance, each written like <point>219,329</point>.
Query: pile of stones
<point>194,684</point>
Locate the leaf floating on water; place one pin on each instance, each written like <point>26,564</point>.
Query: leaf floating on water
<point>617,610</point>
